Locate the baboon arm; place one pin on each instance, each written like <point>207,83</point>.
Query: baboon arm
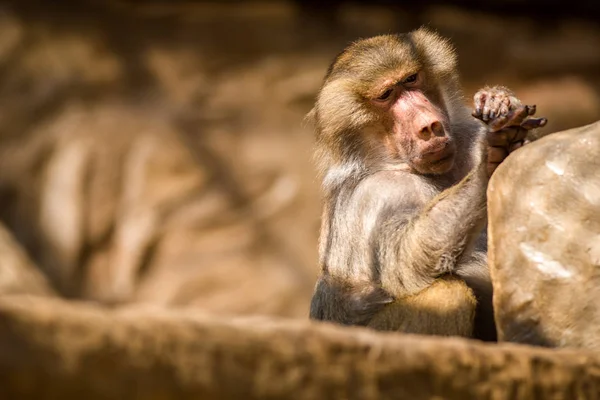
<point>415,249</point>
<point>474,271</point>
<point>472,268</point>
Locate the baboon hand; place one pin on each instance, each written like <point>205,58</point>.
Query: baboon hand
<point>508,122</point>
<point>492,102</point>
<point>509,130</point>
<point>499,109</point>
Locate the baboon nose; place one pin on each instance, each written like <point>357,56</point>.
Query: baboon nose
<point>433,129</point>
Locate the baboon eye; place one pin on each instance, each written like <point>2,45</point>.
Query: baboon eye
<point>411,79</point>
<point>385,95</point>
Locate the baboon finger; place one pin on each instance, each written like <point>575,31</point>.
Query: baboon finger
<point>504,107</point>
<point>533,123</point>
<point>488,108</point>
<point>531,109</point>
<point>479,101</point>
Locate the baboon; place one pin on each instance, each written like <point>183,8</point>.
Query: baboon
<point>405,169</point>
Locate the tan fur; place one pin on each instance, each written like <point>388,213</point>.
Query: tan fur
<point>398,244</point>
<point>446,308</point>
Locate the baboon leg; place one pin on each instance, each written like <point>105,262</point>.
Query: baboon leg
<point>446,308</point>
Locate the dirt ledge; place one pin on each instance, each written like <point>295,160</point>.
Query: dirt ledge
<point>50,349</point>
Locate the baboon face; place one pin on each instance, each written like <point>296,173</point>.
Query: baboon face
<point>416,130</point>
<point>389,98</point>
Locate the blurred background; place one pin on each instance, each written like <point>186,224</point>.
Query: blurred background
<point>153,152</point>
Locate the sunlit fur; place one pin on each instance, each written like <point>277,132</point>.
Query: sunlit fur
<point>345,141</point>
<point>392,234</point>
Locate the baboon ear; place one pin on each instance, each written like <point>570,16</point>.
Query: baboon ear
<point>438,51</point>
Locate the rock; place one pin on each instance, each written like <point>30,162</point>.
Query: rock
<point>114,208</point>
<point>51,349</point>
<point>18,275</point>
<point>544,241</point>
<point>168,188</point>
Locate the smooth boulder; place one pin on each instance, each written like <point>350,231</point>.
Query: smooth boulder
<point>544,241</point>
